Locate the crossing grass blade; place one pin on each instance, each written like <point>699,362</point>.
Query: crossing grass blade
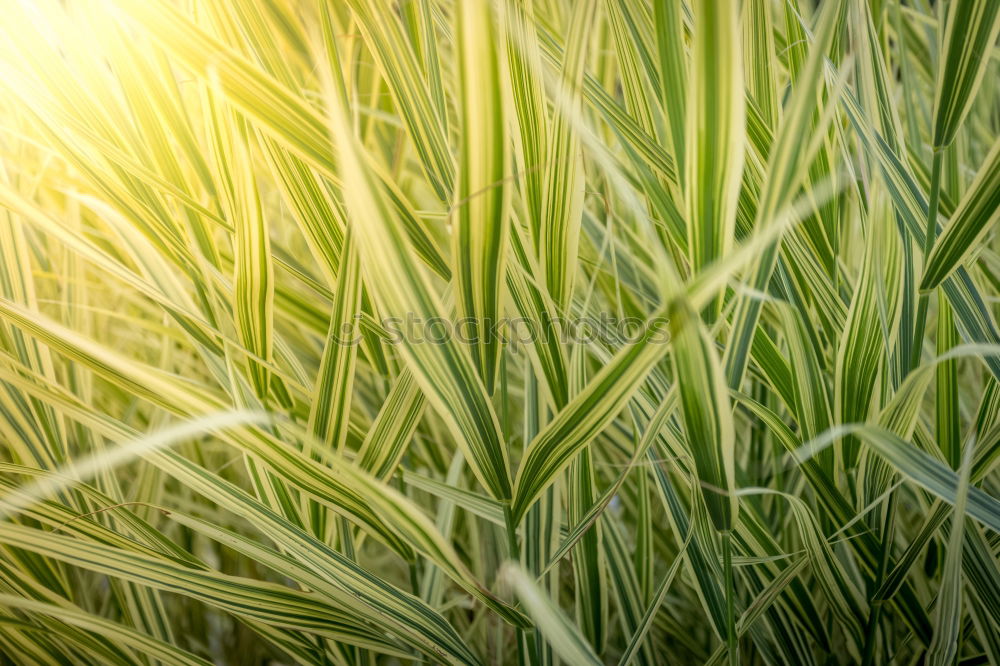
<point>931,474</point>
<point>552,450</point>
<point>975,215</point>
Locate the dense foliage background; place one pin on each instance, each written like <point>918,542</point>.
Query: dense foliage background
<point>726,387</point>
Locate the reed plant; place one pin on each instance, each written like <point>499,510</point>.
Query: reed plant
<point>526,332</point>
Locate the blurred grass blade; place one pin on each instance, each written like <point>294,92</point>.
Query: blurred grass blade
<point>84,469</point>
<point>554,626</point>
<point>944,647</point>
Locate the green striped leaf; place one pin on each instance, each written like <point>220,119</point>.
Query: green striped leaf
<point>708,416</point>
<point>970,31</point>
<point>482,199</point>
<point>714,144</point>
<point>976,214</point>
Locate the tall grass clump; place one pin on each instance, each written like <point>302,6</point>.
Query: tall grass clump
<point>525,332</point>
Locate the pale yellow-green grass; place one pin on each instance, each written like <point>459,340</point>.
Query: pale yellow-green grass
<point>536,332</point>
